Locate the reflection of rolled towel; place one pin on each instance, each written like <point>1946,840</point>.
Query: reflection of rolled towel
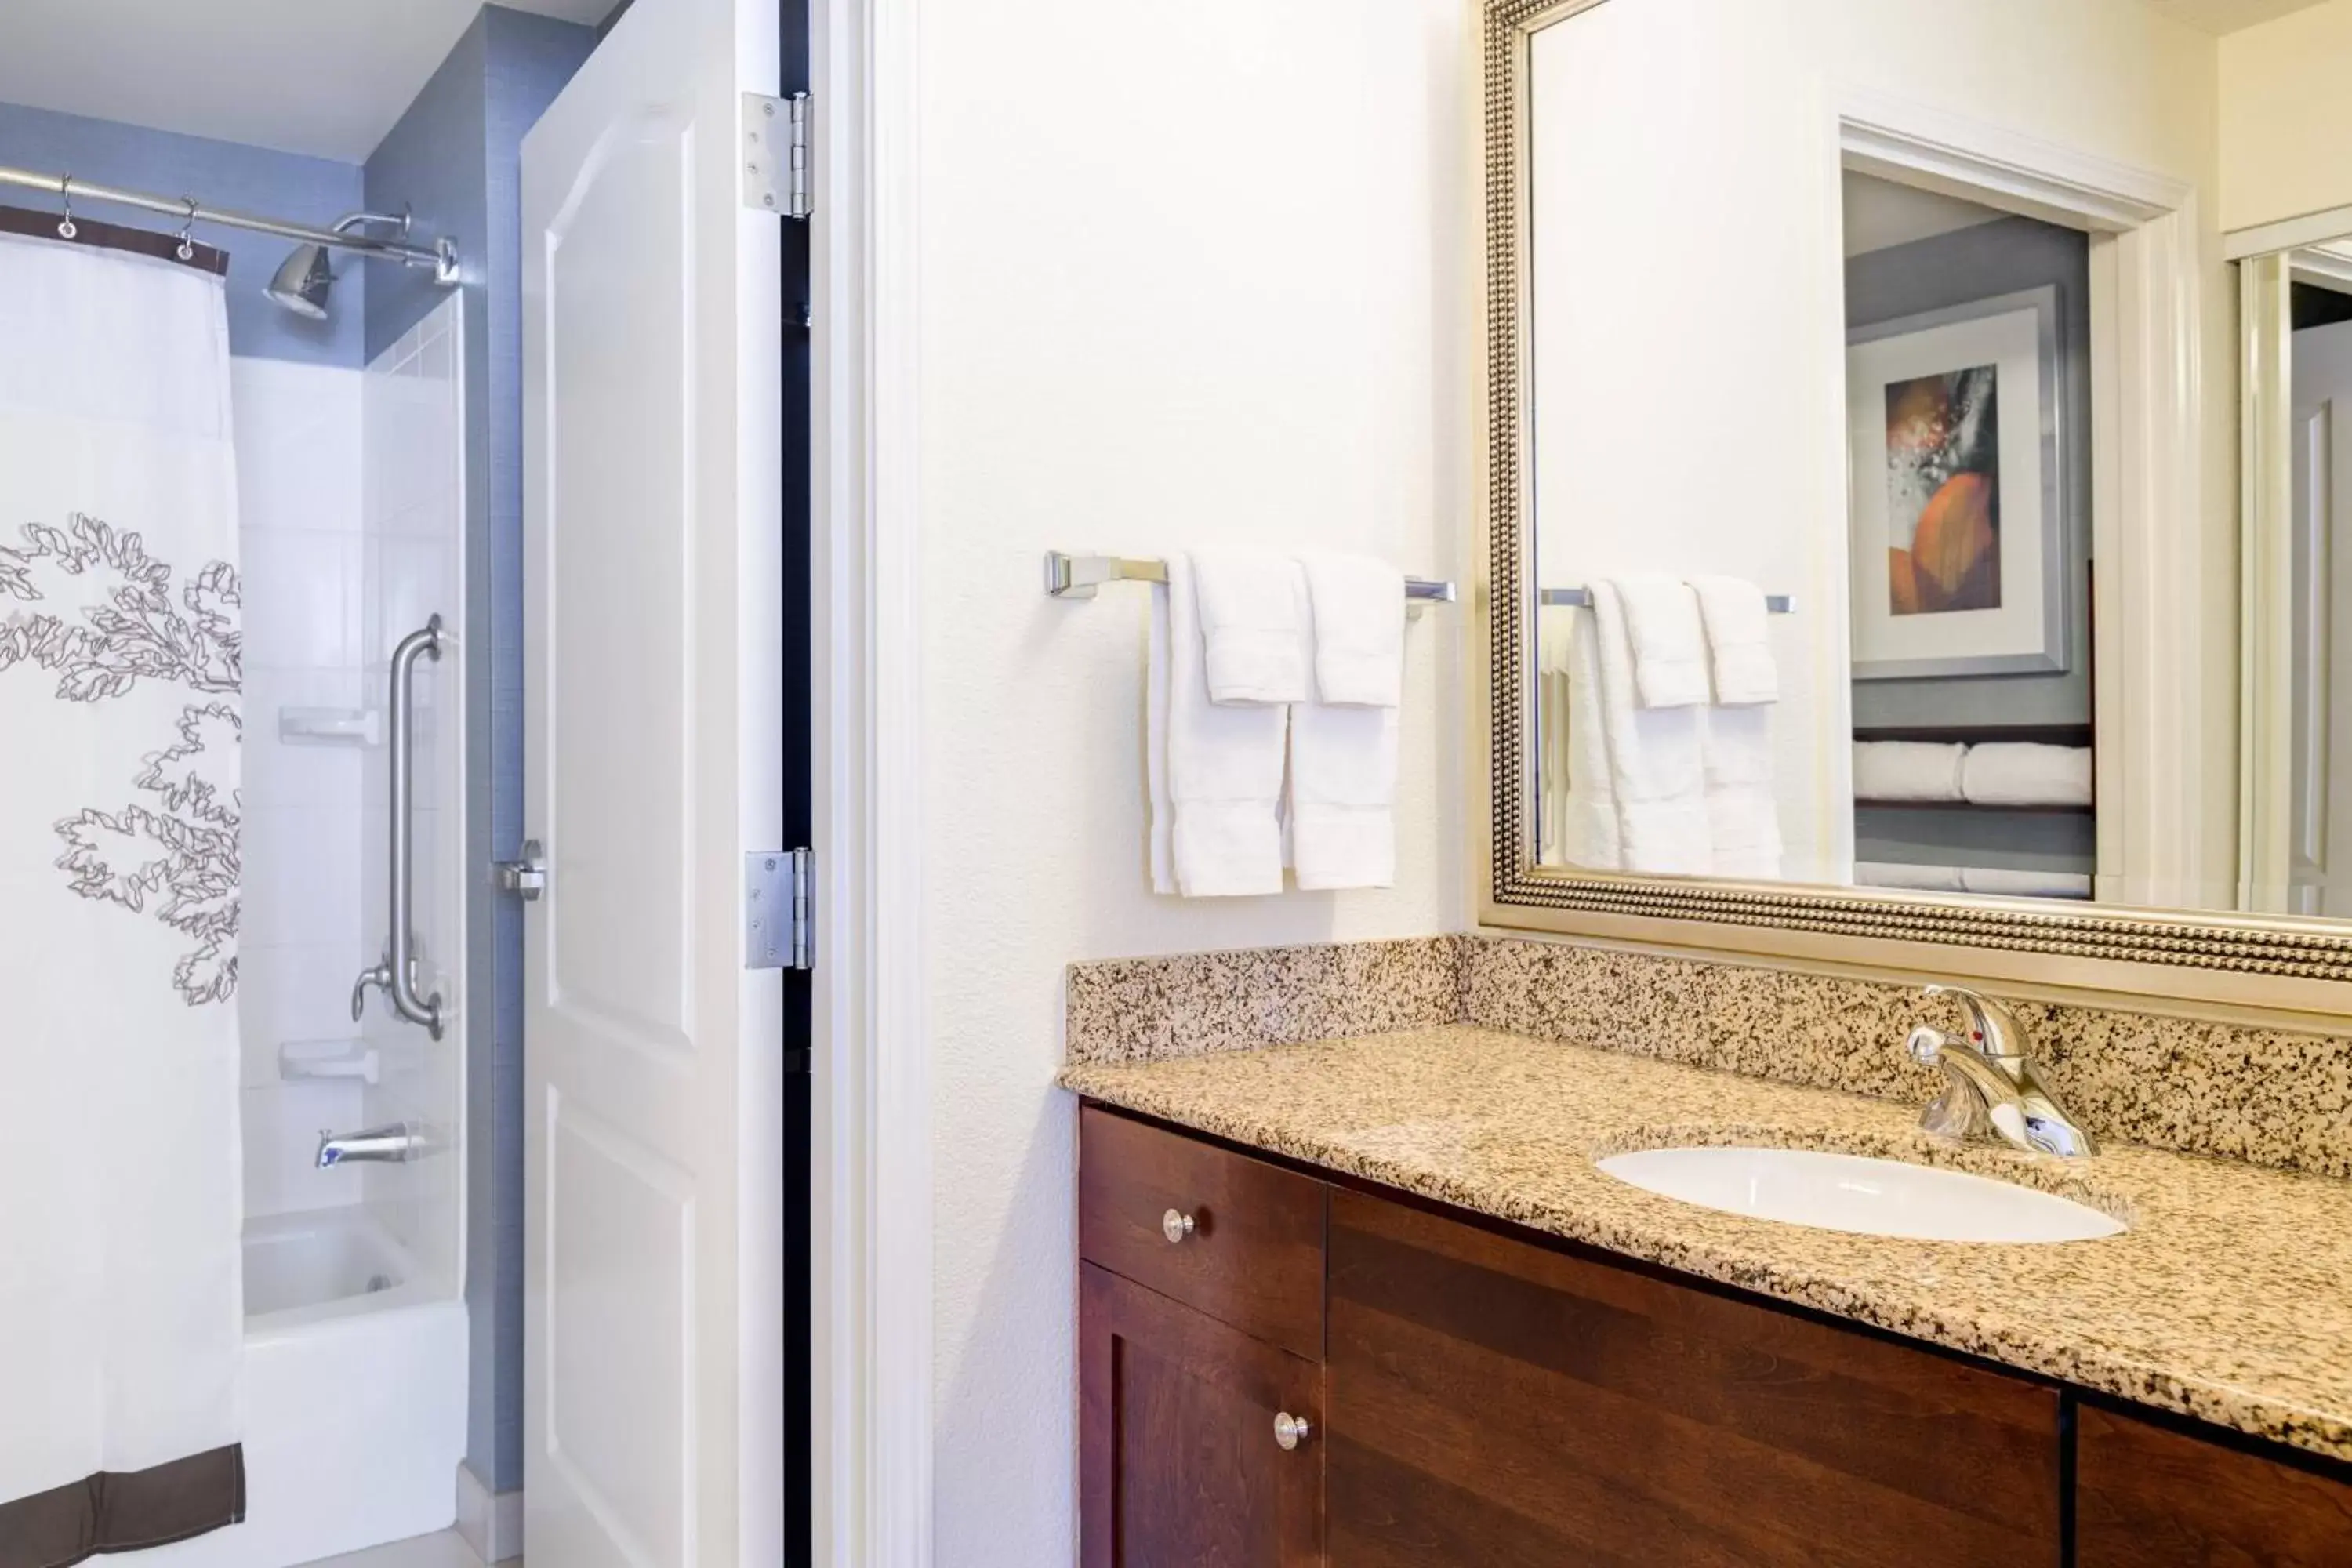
<point>1906,769</point>
<point>2017,772</point>
<point>2026,884</point>
<point>1902,873</point>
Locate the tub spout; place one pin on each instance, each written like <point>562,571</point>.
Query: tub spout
<point>396,1141</point>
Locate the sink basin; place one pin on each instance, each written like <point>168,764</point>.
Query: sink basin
<point>1851,1193</point>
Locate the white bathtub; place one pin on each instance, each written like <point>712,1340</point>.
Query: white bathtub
<point>354,1396</point>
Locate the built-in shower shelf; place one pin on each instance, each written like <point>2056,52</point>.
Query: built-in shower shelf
<point>330,726</point>
<point>302,1060</point>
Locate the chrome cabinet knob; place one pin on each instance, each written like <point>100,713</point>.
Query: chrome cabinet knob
<point>1289,1431</point>
<point>1175,1226</point>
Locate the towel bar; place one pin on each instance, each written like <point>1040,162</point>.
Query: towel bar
<point>1077,576</point>
<point>1582,599</point>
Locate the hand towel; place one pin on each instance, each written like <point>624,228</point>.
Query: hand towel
<point>1341,818</point>
<point>1654,757</point>
<point>1251,625</point>
<point>1356,602</point>
<point>1738,640</point>
<point>1902,874</point>
<point>2021,884</point>
<point>2020,772</point>
<point>1557,712</point>
<point>1906,769</point>
<point>1587,826</point>
<point>1216,771</point>
<point>1743,815</point>
<point>1662,627</point>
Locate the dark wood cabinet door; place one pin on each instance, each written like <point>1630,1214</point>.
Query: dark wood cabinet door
<point>2148,1497</point>
<point>1180,1466</point>
<point>1497,1403</point>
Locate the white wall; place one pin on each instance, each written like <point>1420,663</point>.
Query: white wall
<point>2286,117</point>
<point>1185,277</point>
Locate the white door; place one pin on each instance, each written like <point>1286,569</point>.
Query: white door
<point>2322,816</point>
<point>652,362</point>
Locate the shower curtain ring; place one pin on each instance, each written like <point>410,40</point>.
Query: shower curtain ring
<point>66,229</point>
<point>187,251</point>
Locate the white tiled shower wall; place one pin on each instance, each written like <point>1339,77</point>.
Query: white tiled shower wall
<point>350,492</point>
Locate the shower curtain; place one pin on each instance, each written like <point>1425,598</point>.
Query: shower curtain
<point>120,1316</point>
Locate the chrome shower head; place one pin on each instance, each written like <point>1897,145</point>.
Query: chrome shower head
<point>302,282</point>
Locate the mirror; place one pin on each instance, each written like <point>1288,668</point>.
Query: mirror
<point>1868,518</point>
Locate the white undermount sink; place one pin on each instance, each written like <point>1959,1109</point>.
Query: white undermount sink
<point>1852,1192</point>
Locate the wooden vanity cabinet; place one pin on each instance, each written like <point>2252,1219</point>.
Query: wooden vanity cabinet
<point>2148,1495</point>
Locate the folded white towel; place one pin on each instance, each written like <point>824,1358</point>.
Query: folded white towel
<point>1251,625</point>
<point>1902,874</point>
<point>1216,770</point>
<point>1738,640</point>
<point>1654,757</point>
<point>1587,825</point>
<point>1662,627</point>
<point>1342,816</point>
<point>2018,884</point>
<point>1743,818</point>
<point>2020,773</point>
<point>1357,607</point>
<point>1906,769</point>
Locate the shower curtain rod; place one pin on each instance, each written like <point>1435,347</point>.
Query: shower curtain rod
<point>442,257</point>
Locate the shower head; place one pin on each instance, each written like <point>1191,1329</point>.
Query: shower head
<point>302,282</point>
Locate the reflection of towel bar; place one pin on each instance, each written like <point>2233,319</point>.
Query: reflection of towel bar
<point>1077,576</point>
<point>1582,599</point>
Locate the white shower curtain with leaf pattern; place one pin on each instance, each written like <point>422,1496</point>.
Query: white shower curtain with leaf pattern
<point>120,1316</point>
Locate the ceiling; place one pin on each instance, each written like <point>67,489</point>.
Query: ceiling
<point>2228,15</point>
<point>1880,213</point>
<point>324,76</point>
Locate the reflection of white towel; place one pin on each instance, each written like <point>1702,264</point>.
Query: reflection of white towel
<point>2026,884</point>
<point>1662,629</point>
<point>2017,772</point>
<point>1250,626</point>
<point>1587,833</point>
<point>1743,822</point>
<point>1906,769</point>
<point>1216,769</point>
<point>1556,711</point>
<point>1653,758</point>
<point>1738,640</point>
<point>1902,874</point>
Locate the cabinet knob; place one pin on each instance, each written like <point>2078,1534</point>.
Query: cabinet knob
<point>1289,1431</point>
<point>1175,1226</point>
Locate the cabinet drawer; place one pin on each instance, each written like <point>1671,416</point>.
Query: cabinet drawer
<point>1253,1254</point>
<point>2149,1497</point>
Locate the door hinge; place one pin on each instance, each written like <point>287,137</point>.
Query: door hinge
<point>780,910</point>
<point>526,878</point>
<point>776,155</point>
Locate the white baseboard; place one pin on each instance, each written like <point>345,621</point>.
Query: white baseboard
<point>490,1523</point>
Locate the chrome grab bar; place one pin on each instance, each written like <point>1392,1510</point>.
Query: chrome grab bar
<point>395,973</point>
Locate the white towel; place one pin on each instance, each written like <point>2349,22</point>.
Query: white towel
<point>1251,625</point>
<point>1216,771</point>
<point>1662,627</point>
<point>2020,772</point>
<point>1342,816</point>
<point>1556,710</point>
<point>1356,604</point>
<point>1738,640</point>
<point>1906,769</point>
<point>2016,884</point>
<point>1743,818</point>
<point>1586,827</point>
<point>1902,874</point>
<point>1653,758</point>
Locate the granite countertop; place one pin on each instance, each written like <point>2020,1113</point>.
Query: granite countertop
<point>2229,1299</point>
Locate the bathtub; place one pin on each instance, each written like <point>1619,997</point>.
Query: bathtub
<point>354,1396</point>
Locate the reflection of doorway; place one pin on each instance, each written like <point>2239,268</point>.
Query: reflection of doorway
<point>2320,816</point>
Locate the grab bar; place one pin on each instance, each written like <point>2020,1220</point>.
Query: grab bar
<point>395,973</point>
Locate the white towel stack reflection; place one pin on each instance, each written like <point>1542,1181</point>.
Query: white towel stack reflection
<point>1343,739</point>
<point>1662,629</point>
<point>1743,815</point>
<point>1654,770</point>
<point>1217,768</point>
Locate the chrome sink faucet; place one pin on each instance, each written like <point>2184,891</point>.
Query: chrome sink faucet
<point>1993,1087</point>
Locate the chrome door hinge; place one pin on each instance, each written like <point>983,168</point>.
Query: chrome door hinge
<point>525,877</point>
<point>776,155</point>
<point>780,910</point>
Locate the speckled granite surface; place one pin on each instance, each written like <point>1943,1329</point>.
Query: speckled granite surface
<point>2272,1096</point>
<point>1146,1009</point>
<point>2229,1299</point>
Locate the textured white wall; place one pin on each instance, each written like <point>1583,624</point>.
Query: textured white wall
<point>1186,277</point>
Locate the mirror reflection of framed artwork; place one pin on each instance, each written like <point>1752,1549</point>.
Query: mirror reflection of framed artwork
<point>1959,523</point>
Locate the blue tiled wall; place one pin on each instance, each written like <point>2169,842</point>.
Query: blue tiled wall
<point>454,155</point>
<point>218,174</point>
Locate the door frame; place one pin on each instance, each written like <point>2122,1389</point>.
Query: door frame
<point>870,1196</point>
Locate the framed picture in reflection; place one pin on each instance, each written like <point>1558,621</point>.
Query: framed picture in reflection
<point>1957,530</point>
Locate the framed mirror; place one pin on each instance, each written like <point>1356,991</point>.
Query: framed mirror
<point>1912,482</point>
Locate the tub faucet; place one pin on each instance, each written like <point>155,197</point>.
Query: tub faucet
<point>1993,1087</point>
<point>397,1140</point>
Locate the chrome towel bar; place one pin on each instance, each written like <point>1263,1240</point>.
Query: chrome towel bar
<point>1077,577</point>
<point>1582,599</point>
